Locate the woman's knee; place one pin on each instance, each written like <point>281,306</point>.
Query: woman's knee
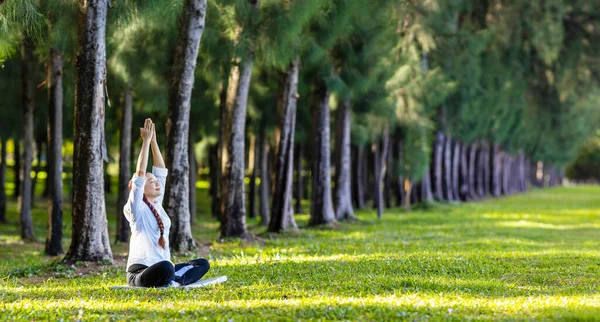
<point>167,270</point>
<point>200,262</point>
<point>167,267</point>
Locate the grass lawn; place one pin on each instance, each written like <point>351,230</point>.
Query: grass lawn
<point>530,257</point>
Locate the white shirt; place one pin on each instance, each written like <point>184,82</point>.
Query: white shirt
<point>143,244</point>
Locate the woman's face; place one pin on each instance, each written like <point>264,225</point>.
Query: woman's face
<point>152,186</point>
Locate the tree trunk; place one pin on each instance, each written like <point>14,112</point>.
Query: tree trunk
<point>408,189</point>
<point>234,216</point>
<point>191,26</point>
<point>416,191</point>
<point>55,167</point>
<point>218,167</point>
<point>359,177</point>
<point>522,172</point>
<point>496,156</point>
<point>380,153</point>
<point>123,229</point>
<point>472,171</point>
<point>3,180</point>
<point>456,155</point>
<point>387,179</point>
<point>299,179</point>
<point>282,214</point>
<point>39,151</point>
<point>366,177</point>
<point>89,241</point>
<point>321,206</point>
<point>214,171</point>
<point>463,190</point>
<point>28,86</point>
<point>447,180</point>
<point>343,194</point>
<point>436,174</point>
<point>505,173</point>
<point>426,194</point>
<point>17,168</point>
<point>480,174</point>
<point>264,176</point>
<point>193,177</point>
<point>486,169</point>
<point>253,164</point>
<point>401,191</point>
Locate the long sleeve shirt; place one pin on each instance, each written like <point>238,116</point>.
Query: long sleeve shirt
<point>143,244</point>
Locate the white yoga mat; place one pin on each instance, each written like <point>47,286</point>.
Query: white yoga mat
<point>200,283</point>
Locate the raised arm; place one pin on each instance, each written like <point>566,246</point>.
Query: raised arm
<point>156,155</point>
<point>139,179</point>
<point>146,133</point>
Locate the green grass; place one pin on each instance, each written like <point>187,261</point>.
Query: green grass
<point>530,257</point>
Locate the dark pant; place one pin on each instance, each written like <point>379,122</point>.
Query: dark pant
<point>162,273</point>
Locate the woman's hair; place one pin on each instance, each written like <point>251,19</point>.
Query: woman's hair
<point>161,226</point>
<point>161,240</point>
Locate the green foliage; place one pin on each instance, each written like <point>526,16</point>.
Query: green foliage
<point>15,17</point>
<point>585,167</point>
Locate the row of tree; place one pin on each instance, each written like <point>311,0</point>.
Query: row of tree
<point>440,100</point>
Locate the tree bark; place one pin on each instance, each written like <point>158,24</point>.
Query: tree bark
<point>193,177</point>
<point>436,174</point>
<point>463,190</point>
<point>3,180</point>
<point>343,194</point>
<point>253,164</point>
<point>416,191</point>
<point>447,179</point>
<point>123,229</point>
<point>264,176</point>
<point>17,168</point>
<point>39,152</point>
<point>380,153</point>
<point>89,241</point>
<point>496,155</point>
<point>522,173</point>
<point>217,169</point>
<point>321,206</point>
<point>214,171</point>
<point>282,214</point>
<point>299,179</point>
<point>55,167</point>
<point>191,26</point>
<point>234,217</point>
<point>481,172</point>
<point>359,177</point>
<point>505,173</point>
<point>387,178</point>
<point>408,189</point>
<point>456,155</point>
<point>486,170</point>
<point>426,194</point>
<point>25,201</point>
<point>472,171</point>
<point>366,175</point>
<point>401,192</point>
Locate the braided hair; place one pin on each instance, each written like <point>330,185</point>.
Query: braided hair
<point>161,241</point>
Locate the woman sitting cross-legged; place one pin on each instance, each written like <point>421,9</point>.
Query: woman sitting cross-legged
<point>149,263</point>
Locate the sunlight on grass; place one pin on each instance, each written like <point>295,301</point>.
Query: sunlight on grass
<point>525,223</point>
<point>527,257</point>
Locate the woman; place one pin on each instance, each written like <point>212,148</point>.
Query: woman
<point>149,262</point>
